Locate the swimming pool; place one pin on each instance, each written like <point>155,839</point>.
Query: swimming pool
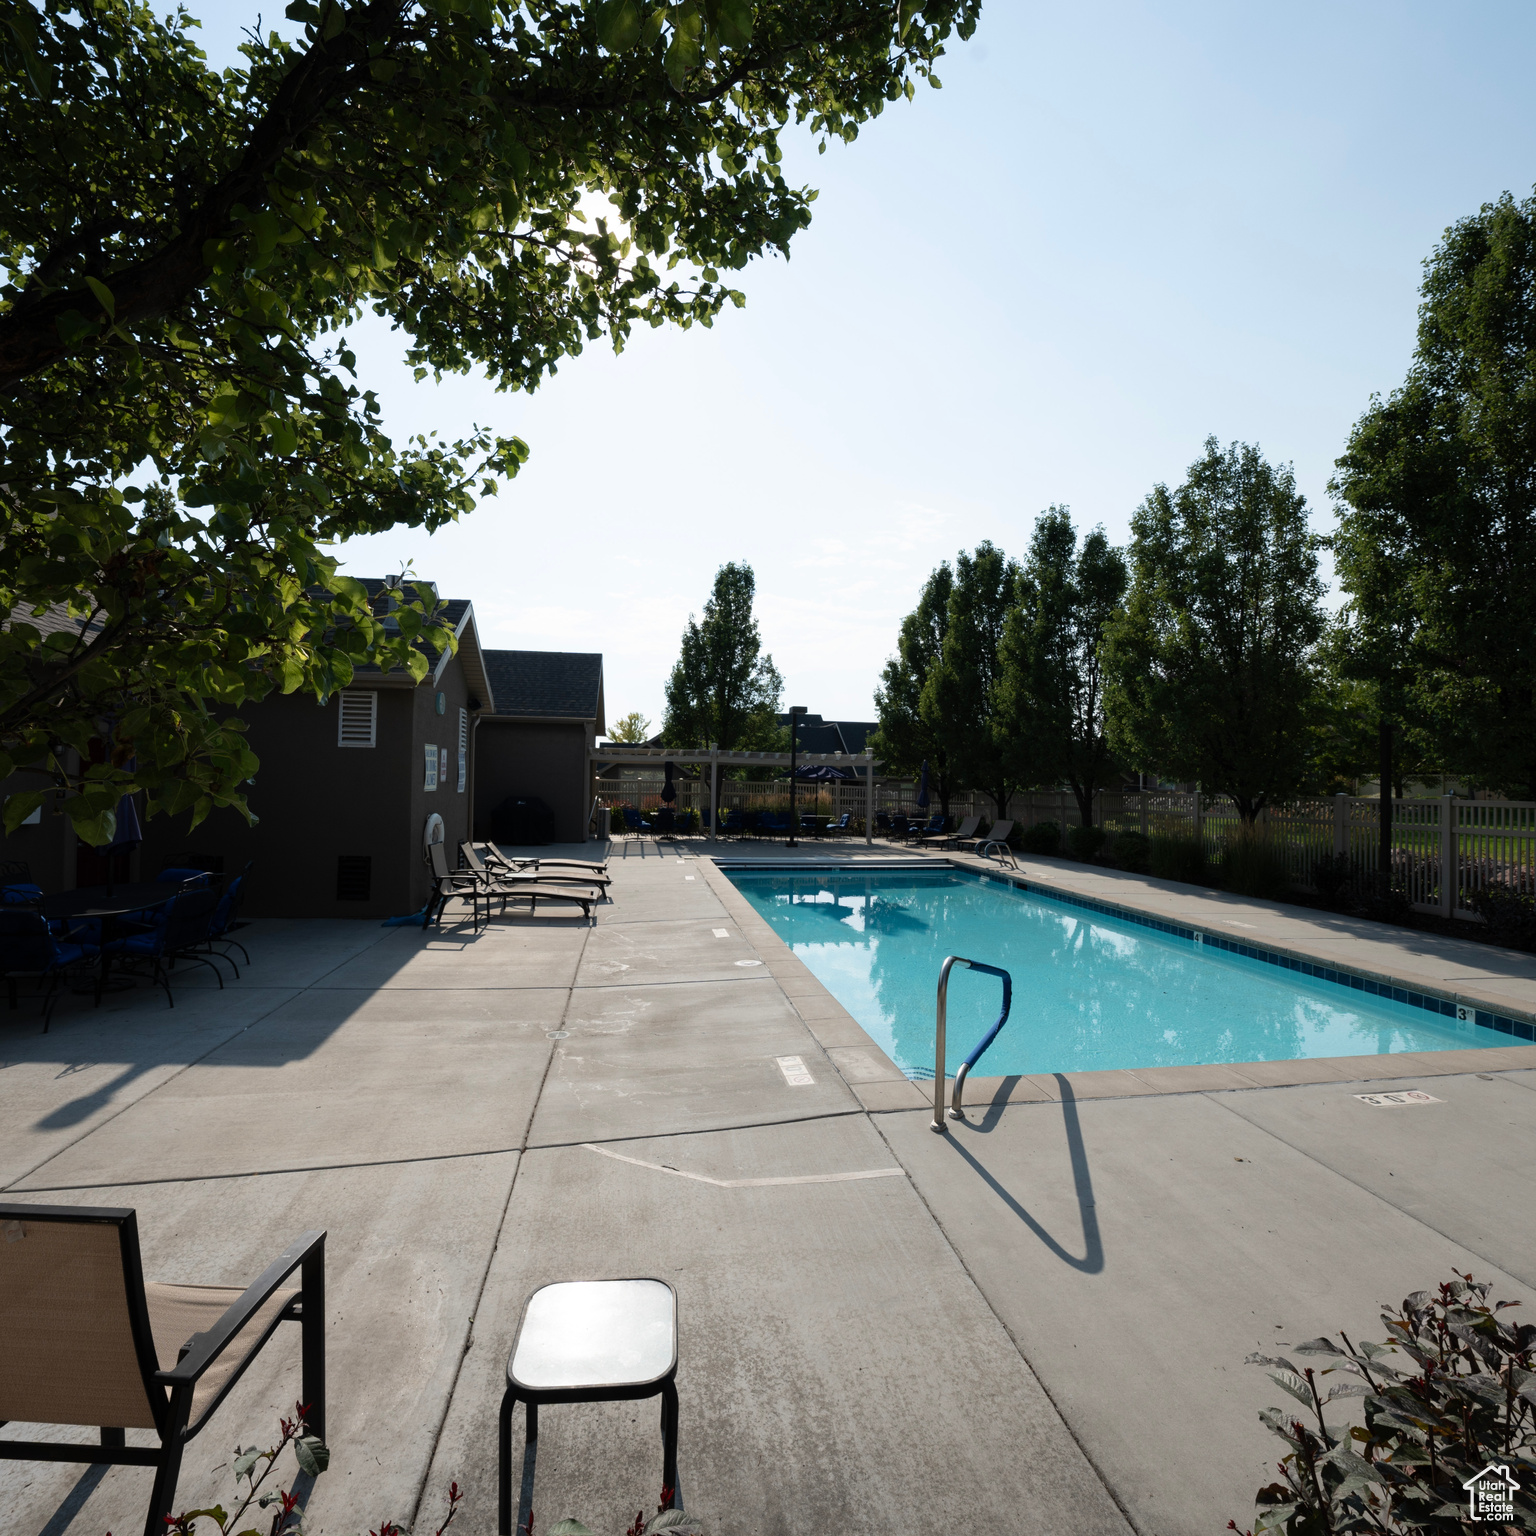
<point>1090,990</point>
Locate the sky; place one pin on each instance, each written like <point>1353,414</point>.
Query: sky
<point>1117,230</point>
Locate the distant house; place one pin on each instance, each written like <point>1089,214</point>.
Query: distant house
<point>818,735</point>
<point>533,744</point>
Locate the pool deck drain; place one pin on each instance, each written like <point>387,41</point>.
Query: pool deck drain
<point>1034,1324</point>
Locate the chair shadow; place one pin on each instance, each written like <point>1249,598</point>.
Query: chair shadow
<point>1092,1261</point>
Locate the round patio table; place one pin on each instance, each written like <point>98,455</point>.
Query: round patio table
<point>107,902</point>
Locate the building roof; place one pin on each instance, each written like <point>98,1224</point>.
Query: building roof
<point>818,735</point>
<point>548,685</point>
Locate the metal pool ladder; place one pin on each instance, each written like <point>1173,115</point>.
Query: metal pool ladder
<point>955,1111</point>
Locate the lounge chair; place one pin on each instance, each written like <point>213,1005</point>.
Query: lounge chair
<point>478,889</point>
<point>494,859</point>
<point>996,842</point>
<point>88,1342</point>
<point>933,827</point>
<point>962,834</point>
<point>506,872</point>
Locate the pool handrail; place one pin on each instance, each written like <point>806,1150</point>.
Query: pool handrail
<point>955,1110</point>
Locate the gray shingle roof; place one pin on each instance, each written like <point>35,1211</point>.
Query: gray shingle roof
<point>553,684</point>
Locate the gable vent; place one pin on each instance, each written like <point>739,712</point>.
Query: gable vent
<point>358,722</point>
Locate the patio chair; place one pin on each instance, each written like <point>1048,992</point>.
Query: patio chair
<point>90,1343</point>
<point>898,827</point>
<point>843,824</point>
<point>996,842</point>
<point>933,827</point>
<point>771,824</point>
<point>185,928</point>
<point>483,888</point>
<point>962,834</point>
<point>29,947</point>
<point>633,823</point>
<point>589,1341</point>
<point>505,872</point>
<point>227,919</point>
<point>495,860</point>
<point>882,824</point>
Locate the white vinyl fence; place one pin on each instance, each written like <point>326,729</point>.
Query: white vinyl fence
<point>1476,843</point>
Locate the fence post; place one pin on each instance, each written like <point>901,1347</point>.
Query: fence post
<point>1199,820</point>
<point>1143,795</point>
<point>714,790</point>
<point>869,799</point>
<point>1340,823</point>
<point>1450,851</point>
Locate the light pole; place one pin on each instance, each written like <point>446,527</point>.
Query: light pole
<point>795,711</point>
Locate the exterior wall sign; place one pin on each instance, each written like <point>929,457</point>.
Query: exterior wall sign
<point>430,781</point>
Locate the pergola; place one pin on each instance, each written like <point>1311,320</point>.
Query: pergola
<point>607,756</point>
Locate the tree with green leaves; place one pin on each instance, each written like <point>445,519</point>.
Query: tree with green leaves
<point>1050,704</point>
<point>631,730</point>
<point>959,696</point>
<point>1210,665</point>
<point>905,740</point>
<point>724,688</point>
<point>1437,536</point>
<point>182,434</point>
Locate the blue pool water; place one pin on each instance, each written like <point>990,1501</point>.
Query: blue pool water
<point>1090,991</point>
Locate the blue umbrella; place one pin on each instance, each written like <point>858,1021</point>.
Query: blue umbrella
<point>922,787</point>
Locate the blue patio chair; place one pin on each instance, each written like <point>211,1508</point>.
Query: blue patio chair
<point>882,823</point>
<point>632,821</point>
<point>28,947</point>
<point>186,929</point>
<point>933,827</point>
<point>227,920</point>
<point>844,823</point>
<point>898,827</point>
<point>771,824</point>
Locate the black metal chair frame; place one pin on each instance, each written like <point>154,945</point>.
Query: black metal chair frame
<point>204,897</point>
<point>238,885</point>
<point>663,1386</point>
<point>170,1392</point>
<point>50,972</point>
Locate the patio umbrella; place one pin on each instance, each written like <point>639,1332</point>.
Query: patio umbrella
<point>823,771</point>
<point>669,789</point>
<point>922,787</point>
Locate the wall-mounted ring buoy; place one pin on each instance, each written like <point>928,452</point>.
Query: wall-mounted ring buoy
<point>433,832</point>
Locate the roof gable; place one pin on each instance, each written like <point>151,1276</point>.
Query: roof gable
<point>547,684</point>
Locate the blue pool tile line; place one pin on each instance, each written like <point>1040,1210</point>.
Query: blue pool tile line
<point>1518,1029</point>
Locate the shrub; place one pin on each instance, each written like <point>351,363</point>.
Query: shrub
<point>253,1467</point>
<point>616,820</point>
<point>1177,856</point>
<point>1132,851</point>
<point>1511,917</point>
<point>1085,842</point>
<point>1465,1401</point>
<point>1332,876</point>
<point>1252,866</point>
<point>1043,837</point>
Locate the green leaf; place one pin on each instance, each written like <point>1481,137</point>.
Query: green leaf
<point>103,296</point>
<point>313,1454</point>
<point>19,806</point>
<point>92,825</point>
<point>570,1528</point>
<point>672,1520</point>
<point>618,24</point>
<point>736,18</point>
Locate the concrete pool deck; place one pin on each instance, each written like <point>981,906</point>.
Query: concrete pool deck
<point>1035,1323</point>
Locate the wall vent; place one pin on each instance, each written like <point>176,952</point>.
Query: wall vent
<point>354,876</point>
<point>358,718</point>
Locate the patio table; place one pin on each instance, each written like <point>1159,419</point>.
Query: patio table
<point>107,902</point>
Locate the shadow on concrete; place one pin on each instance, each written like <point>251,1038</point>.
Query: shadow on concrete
<point>1092,1261</point>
